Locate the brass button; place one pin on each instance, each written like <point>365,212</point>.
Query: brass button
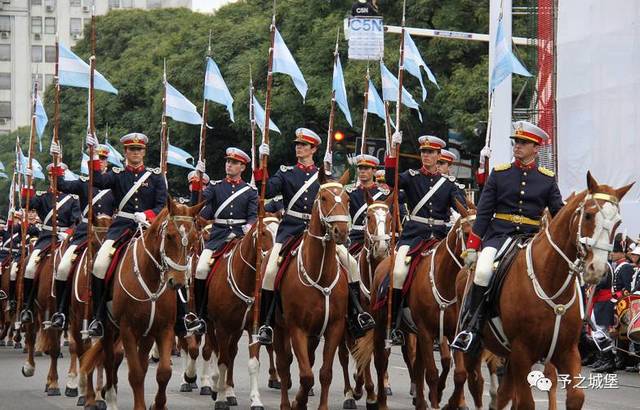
<point>524,173</point>
<point>305,198</point>
<point>524,183</point>
<point>520,202</point>
<point>231,205</point>
<point>517,228</point>
<point>230,213</point>
<point>521,192</point>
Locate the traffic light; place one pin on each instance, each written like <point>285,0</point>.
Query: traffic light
<point>338,136</point>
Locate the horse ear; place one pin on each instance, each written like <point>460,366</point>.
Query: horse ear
<point>389,200</point>
<point>470,204</point>
<point>460,208</point>
<point>592,184</point>
<point>195,210</point>
<point>620,192</point>
<point>322,176</point>
<point>346,176</point>
<point>570,197</point>
<point>170,204</point>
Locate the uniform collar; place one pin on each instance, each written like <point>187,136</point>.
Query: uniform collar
<point>233,181</point>
<point>621,261</point>
<point>522,166</point>
<point>426,172</point>
<point>369,188</point>
<point>309,168</point>
<point>135,169</point>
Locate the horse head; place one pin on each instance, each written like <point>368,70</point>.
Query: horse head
<point>377,226</point>
<point>597,217</point>
<point>467,216</point>
<point>331,208</point>
<point>101,224</point>
<point>271,222</point>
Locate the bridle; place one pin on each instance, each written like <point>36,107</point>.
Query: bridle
<point>380,210</point>
<point>459,232</point>
<point>327,218</point>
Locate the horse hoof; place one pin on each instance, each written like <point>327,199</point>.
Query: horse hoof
<point>232,401</point>
<point>257,408</point>
<point>10,343</point>
<point>205,391</point>
<point>413,401</point>
<point>467,408</point>
<point>81,401</point>
<point>221,405</point>
<point>66,343</point>
<point>388,391</point>
<point>24,350</point>
<point>37,353</point>
<point>53,391</point>
<point>372,406</point>
<point>311,393</point>
<point>69,392</point>
<point>349,404</point>
<point>189,379</point>
<point>194,386</point>
<point>3,343</point>
<point>92,407</point>
<point>101,405</point>
<point>17,345</point>
<point>60,355</point>
<point>275,384</point>
<point>214,395</point>
<point>185,388</point>
<point>175,352</point>
<point>357,395</point>
<point>27,371</point>
<point>154,359</point>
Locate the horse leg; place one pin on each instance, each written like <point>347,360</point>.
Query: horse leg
<point>222,365</point>
<point>445,362</point>
<point>381,361</point>
<point>206,382</point>
<point>426,350</point>
<point>136,371</point>
<point>419,373</point>
<point>163,372</point>
<point>551,373</point>
<point>110,366</point>
<point>300,344</point>
<point>332,338</point>
<point>520,365</point>
<point>569,363</point>
<point>492,365</point>
<point>254,372</point>
<point>457,401</point>
<point>229,385</point>
<point>343,356</point>
<point>475,380</point>
<point>409,350</point>
<point>274,381</point>
<point>29,366</point>
<point>52,346</point>
<point>189,374</point>
<point>284,358</point>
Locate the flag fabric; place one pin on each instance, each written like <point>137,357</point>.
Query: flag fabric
<point>3,175</point>
<point>259,114</point>
<point>505,62</point>
<point>413,61</point>
<point>284,63</point>
<point>36,167</point>
<point>180,108</point>
<point>70,175</point>
<point>1,166</point>
<point>41,120</point>
<point>114,157</point>
<point>83,164</point>
<point>215,89</point>
<point>178,156</point>
<point>374,102</point>
<point>390,90</point>
<point>340,90</point>
<point>74,72</point>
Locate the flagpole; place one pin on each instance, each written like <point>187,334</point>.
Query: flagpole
<point>332,112</point>
<point>365,113</point>
<point>163,132</point>
<point>263,168</point>
<point>54,179</point>
<point>12,196</point>
<point>252,119</point>
<point>396,149</point>
<point>203,127</point>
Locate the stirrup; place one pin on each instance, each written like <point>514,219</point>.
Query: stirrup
<point>463,341</point>
<point>57,321</point>
<point>96,329</point>
<point>365,321</point>
<point>26,316</point>
<point>397,337</point>
<point>3,295</point>
<point>265,335</point>
<point>602,341</point>
<point>193,324</point>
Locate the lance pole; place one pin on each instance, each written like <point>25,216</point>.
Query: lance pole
<point>203,126</point>
<point>56,159</point>
<point>332,114</point>
<point>252,119</point>
<point>365,113</point>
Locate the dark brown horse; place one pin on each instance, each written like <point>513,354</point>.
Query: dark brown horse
<point>539,303</point>
<point>314,296</point>
<point>143,307</point>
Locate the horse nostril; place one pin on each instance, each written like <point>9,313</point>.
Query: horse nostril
<point>172,283</point>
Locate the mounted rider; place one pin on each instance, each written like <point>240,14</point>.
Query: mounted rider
<point>512,203</point>
<point>447,158</point>
<point>11,242</point>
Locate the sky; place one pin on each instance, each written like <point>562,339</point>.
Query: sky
<point>208,5</point>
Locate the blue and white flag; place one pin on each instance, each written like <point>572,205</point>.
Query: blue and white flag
<point>374,102</point>
<point>3,175</point>
<point>41,120</point>
<point>505,62</point>
<point>70,175</point>
<point>114,157</point>
<point>178,156</point>
<point>284,63</point>
<point>259,114</point>
<point>215,89</point>
<point>84,168</point>
<point>37,168</point>
<point>181,109</point>
<point>413,61</point>
<point>74,72</point>
<point>340,90</point>
<point>1,166</point>
<point>390,90</point>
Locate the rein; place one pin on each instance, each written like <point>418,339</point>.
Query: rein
<point>370,240</point>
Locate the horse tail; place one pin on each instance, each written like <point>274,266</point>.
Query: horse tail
<point>363,351</point>
<point>91,358</point>
<point>493,361</point>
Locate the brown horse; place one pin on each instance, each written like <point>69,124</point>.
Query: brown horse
<point>142,306</point>
<point>539,303</point>
<point>314,295</point>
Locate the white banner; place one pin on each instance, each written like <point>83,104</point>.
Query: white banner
<point>366,38</point>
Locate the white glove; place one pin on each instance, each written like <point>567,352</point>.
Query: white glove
<point>28,172</point>
<point>396,138</point>
<point>92,141</point>
<point>62,236</point>
<point>264,150</point>
<point>246,228</point>
<point>328,158</point>
<point>470,257</point>
<point>54,149</point>
<point>485,152</point>
<point>141,217</point>
<point>200,166</point>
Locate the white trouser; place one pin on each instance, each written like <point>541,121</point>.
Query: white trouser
<point>271,270</point>
<point>32,264</point>
<point>64,268</point>
<point>103,259</point>
<point>400,267</point>
<point>349,262</point>
<point>14,271</point>
<point>484,266</point>
<point>204,264</point>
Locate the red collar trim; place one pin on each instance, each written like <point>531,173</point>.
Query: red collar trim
<point>426,172</point>
<point>621,260</point>
<point>310,168</point>
<point>136,169</point>
<point>233,181</point>
<point>520,165</point>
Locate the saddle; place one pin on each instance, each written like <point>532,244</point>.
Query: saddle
<point>218,254</point>
<point>120,245</point>
<point>287,253</point>
<point>417,253</point>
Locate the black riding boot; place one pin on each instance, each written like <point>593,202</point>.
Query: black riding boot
<point>96,328</point>
<point>397,335</point>
<point>12,296</point>
<point>359,321</point>
<point>28,293</point>
<point>468,340</point>
<point>186,321</point>
<point>608,363</point>
<point>201,295</point>
<point>267,308</point>
<point>59,319</point>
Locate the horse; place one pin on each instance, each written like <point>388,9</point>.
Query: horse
<point>544,278</point>
<point>313,294</point>
<point>153,262</point>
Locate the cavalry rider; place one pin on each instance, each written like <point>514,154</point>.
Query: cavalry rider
<point>4,254</point>
<point>447,158</point>
<point>235,206</point>
<point>299,187</point>
<point>140,194</point>
<point>11,242</point>
<point>103,203</point>
<point>429,195</point>
<point>512,203</point>
<point>68,214</point>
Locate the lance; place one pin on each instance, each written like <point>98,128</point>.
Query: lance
<point>163,133</point>
<point>365,113</point>
<point>56,159</point>
<point>252,119</point>
<point>332,113</point>
<point>12,196</point>
<point>263,168</point>
<point>203,126</point>
<point>396,149</point>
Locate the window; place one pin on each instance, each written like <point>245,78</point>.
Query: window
<point>5,81</point>
<point>75,3</point>
<point>48,80</point>
<point>75,26</point>
<point>50,25</point>
<point>36,25</point>
<point>114,4</point>
<point>36,2</point>
<point>36,54</point>
<point>5,109</point>
<point>5,23</point>
<point>5,52</point>
<point>126,4</point>
<point>50,54</point>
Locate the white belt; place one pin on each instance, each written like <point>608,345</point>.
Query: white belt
<point>426,221</point>
<point>229,221</point>
<point>48,228</point>
<point>127,215</point>
<point>299,215</point>
<point>357,227</point>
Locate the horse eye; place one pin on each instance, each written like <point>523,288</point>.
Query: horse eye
<point>588,217</point>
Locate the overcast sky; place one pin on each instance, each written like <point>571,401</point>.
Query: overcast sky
<point>208,5</point>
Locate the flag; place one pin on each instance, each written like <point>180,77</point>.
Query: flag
<point>259,114</point>
<point>284,63</point>
<point>215,89</point>
<point>41,120</point>
<point>340,91</point>
<point>36,167</point>
<point>390,90</point>
<point>1,166</point>
<point>413,61</point>
<point>83,164</point>
<point>74,72</point>
<point>3,175</point>
<point>505,62</point>
<point>179,108</point>
<point>179,157</point>
<point>70,175</point>
<point>375,104</point>
<point>114,157</point>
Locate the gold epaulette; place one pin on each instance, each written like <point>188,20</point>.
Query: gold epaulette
<point>546,172</point>
<point>502,167</point>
